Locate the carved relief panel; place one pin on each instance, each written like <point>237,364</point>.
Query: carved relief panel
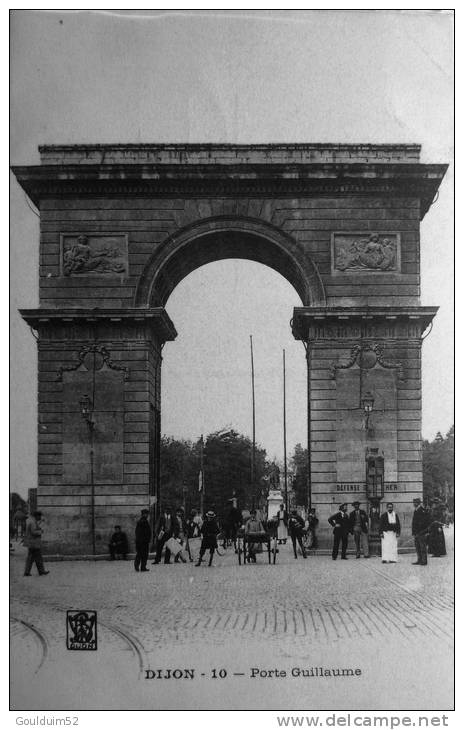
<point>366,252</point>
<point>95,254</point>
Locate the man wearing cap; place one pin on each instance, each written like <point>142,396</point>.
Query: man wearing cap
<point>420,528</point>
<point>359,528</point>
<point>209,530</point>
<point>341,524</point>
<point>33,542</point>
<point>142,542</point>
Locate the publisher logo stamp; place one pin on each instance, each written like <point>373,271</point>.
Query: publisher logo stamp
<point>81,630</point>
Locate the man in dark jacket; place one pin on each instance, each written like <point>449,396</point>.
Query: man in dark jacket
<point>420,529</point>
<point>359,528</point>
<point>142,542</point>
<point>166,528</point>
<point>231,526</point>
<point>341,524</point>
<point>295,530</point>
<point>118,543</point>
<point>33,542</point>
<point>436,541</point>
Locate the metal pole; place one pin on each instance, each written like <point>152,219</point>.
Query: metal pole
<point>92,440</point>
<point>92,487</point>
<point>309,482</point>
<point>202,473</point>
<point>285,440</point>
<point>254,426</point>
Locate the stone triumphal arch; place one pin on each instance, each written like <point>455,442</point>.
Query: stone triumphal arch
<point>122,225</point>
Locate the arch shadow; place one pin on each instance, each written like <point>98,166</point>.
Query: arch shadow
<point>222,237</point>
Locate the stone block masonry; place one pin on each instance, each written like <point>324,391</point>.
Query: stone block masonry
<point>122,225</point>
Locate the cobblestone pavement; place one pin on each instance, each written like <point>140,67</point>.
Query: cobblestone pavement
<point>394,622</point>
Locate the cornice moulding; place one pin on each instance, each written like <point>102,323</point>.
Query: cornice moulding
<point>281,180</point>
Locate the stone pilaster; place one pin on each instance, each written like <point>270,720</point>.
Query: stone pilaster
<point>352,352</point>
<point>90,479</point>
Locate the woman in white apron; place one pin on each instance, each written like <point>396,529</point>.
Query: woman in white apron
<point>282,521</point>
<point>390,530</point>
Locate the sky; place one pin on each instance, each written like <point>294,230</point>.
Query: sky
<point>218,76</point>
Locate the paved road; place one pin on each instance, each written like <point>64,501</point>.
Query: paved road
<point>392,622</point>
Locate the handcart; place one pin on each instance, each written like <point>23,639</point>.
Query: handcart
<point>246,542</point>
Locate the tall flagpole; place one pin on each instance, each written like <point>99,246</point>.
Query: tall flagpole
<point>253,448</point>
<point>285,441</point>
<point>201,478</point>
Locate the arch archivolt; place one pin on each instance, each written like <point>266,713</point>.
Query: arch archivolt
<point>223,237</point>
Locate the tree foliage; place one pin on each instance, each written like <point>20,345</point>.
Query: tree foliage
<point>18,503</point>
<point>299,466</point>
<point>438,467</point>
<point>226,468</point>
<point>227,471</point>
<point>180,464</point>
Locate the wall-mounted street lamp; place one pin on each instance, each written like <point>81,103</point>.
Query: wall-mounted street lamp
<point>87,411</point>
<point>367,403</point>
<point>86,407</point>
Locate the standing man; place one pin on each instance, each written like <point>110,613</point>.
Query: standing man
<point>341,524</point>
<point>164,530</point>
<point>390,530</point>
<point>233,522</point>
<point>359,528</point>
<point>180,532</point>
<point>295,529</point>
<point>142,542</point>
<point>420,528</point>
<point>312,525</point>
<point>33,542</point>
<point>436,540</point>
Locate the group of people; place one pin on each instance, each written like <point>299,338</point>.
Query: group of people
<point>295,527</point>
<point>426,528</point>
<point>173,532</point>
<point>344,524</point>
<point>172,535</point>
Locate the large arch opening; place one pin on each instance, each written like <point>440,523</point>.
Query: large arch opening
<point>215,309</point>
<point>206,382</point>
<point>215,239</point>
<point>208,386</point>
<point>259,246</point>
